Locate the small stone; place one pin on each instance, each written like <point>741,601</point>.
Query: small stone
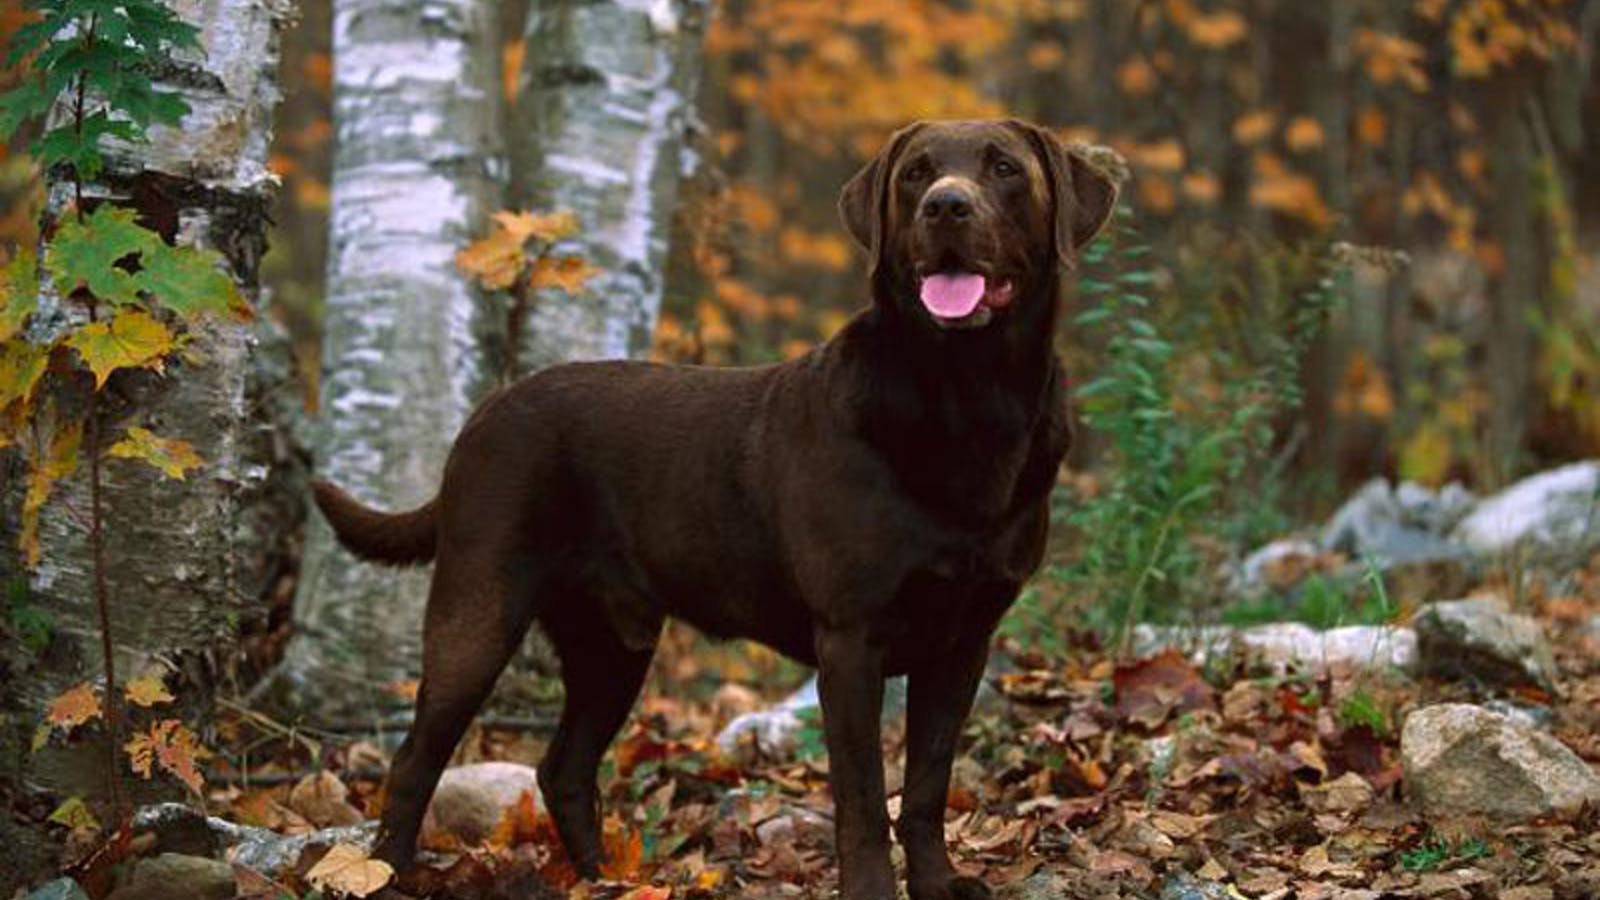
<point>472,799</point>
<point>1184,886</point>
<point>1463,760</point>
<point>172,875</point>
<point>60,889</point>
<point>1480,638</point>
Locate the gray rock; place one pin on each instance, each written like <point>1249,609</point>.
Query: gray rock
<point>472,799</point>
<point>272,854</point>
<point>1539,718</point>
<point>1481,638</point>
<point>178,829</point>
<point>60,889</point>
<point>173,875</point>
<point>1463,760</point>
<point>1253,576</point>
<point>775,733</point>
<point>1398,526</point>
<point>1289,645</point>
<point>261,849</point>
<point>1551,514</point>
<point>1184,886</point>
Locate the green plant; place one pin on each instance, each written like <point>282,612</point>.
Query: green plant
<point>1435,853</point>
<point>125,297</point>
<point>1175,462</point>
<point>809,742</point>
<point>31,625</point>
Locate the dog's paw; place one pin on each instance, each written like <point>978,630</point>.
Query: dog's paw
<point>959,887</point>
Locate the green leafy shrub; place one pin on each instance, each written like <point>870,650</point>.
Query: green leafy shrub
<point>1184,474</point>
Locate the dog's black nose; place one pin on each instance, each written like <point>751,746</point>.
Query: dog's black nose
<point>946,205</point>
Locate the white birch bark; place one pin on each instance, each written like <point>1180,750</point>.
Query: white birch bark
<point>403,357</point>
<point>605,104</point>
<point>187,559</point>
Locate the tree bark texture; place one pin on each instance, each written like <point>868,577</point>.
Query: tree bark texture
<point>403,353</point>
<point>188,560</point>
<point>604,109</point>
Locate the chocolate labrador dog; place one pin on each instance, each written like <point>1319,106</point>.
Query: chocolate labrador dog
<point>871,508</point>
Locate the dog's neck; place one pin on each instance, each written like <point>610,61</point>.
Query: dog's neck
<point>963,415</point>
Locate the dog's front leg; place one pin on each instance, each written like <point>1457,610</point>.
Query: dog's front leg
<point>850,683</point>
<point>939,698</point>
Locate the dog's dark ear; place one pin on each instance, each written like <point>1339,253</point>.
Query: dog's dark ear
<point>1084,196</point>
<point>864,202</point>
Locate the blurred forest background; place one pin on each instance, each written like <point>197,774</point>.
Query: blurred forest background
<point>1458,131</point>
<point>1358,238</point>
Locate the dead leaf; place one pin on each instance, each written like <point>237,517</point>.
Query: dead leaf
<point>321,798</point>
<point>348,869</point>
<point>1150,690</point>
<point>73,707</point>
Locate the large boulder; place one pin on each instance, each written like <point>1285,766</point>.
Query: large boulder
<point>1481,638</point>
<point>1463,760</point>
<point>1552,514</point>
<point>472,799</point>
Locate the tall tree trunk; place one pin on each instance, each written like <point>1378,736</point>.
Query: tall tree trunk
<point>187,559</point>
<point>606,100</point>
<point>404,336</point>
<point>1516,289</point>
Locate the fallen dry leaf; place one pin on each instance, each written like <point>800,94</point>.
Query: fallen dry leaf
<point>348,869</point>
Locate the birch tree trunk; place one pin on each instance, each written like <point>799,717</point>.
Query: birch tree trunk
<point>604,108</point>
<point>187,559</point>
<point>403,357</point>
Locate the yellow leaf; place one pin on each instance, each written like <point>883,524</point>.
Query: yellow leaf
<point>347,869</point>
<point>1218,30</point>
<point>1304,133</point>
<point>173,457</point>
<point>1253,127</point>
<point>495,261</point>
<point>21,366</point>
<point>567,273</point>
<point>148,690</point>
<point>46,468</point>
<point>75,814</point>
<point>74,707</point>
<point>547,227</point>
<point>132,340</point>
<point>19,293</point>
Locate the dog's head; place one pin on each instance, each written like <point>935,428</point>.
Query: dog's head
<point>965,221</point>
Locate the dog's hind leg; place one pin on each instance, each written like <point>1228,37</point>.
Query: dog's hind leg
<point>602,673</point>
<point>477,614</point>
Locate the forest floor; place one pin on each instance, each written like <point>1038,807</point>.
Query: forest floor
<point>1082,777</point>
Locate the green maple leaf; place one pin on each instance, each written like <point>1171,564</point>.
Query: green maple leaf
<point>85,254</point>
<point>19,293</point>
<point>132,340</point>
<point>190,281</point>
<point>173,457</point>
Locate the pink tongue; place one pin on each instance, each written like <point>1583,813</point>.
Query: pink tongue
<point>952,296</point>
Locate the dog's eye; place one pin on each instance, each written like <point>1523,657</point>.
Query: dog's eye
<point>917,171</point>
<point>1005,168</point>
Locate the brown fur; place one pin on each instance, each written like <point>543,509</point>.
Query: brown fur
<point>871,508</point>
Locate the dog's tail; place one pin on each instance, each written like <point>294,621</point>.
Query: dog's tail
<point>398,539</point>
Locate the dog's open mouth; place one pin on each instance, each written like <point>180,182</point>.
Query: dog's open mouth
<point>964,299</point>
